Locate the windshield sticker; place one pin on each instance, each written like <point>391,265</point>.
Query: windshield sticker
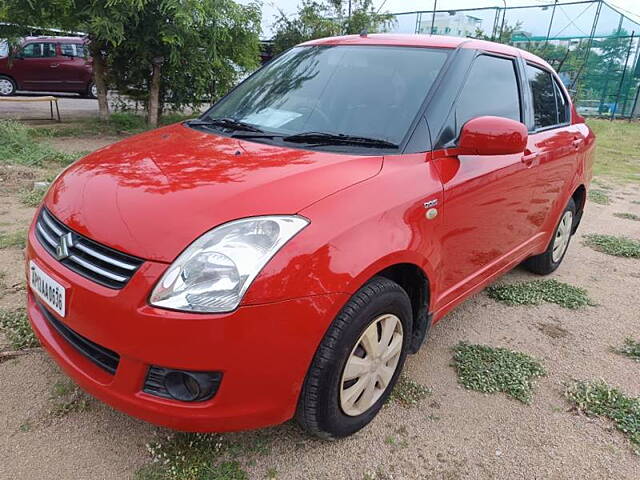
<point>271,117</point>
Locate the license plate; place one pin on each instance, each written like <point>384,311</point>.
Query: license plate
<point>47,289</point>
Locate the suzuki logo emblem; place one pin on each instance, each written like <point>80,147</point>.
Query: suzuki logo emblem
<point>65,242</point>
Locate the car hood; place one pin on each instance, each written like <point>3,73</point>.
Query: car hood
<point>153,194</point>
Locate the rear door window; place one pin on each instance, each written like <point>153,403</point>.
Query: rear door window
<point>544,97</point>
<point>72,50</point>
<point>491,89</point>
<point>562,105</point>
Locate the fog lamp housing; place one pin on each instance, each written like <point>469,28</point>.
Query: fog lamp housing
<point>181,385</point>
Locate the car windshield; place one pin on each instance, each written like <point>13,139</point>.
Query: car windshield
<point>368,92</point>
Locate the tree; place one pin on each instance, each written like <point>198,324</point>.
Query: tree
<point>326,18</point>
<point>186,51</point>
<point>183,49</point>
<point>104,21</point>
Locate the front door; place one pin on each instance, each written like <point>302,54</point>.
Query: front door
<point>486,204</point>
<point>37,67</point>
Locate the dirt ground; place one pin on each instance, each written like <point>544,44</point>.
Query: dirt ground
<point>454,433</point>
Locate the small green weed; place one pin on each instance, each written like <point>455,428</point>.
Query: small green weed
<point>15,325</point>
<point>271,474</point>
<point>612,245</point>
<point>194,456</point>
<point>408,393</point>
<point>491,370</point>
<point>598,398</point>
<point>66,398</point>
<point>631,349</point>
<point>13,239</point>
<point>600,197</point>
<point>627,216</point>
<point>537,291</point>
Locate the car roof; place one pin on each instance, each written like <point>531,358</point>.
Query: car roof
<point>54,39</point>
<point>433,41</point>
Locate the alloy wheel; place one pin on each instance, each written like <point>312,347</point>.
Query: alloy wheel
<point>371,365</point>
<point>6,87</point>
<point>563,234</point>
<point>94,90</point>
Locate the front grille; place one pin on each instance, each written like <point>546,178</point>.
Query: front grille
<point>103,357</point>
<point>90,259</point>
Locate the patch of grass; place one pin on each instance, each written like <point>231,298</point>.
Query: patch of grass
<point>119,123</point>
<point>628,216</point>
<point>617,149</point>
<point>491,370</point>
<point>193,456</point>
<point>599,399</point>
<point>66,398</point>
<point>15,325</point>
<point>630,348</point>
<point>13,239</point>
<point>408,393</point>
<point>271,474</point>
<point>18,147</point>
<point>537,291</point>
<point>598,196</point>
<point>33,197</point>
<point>613,245</point>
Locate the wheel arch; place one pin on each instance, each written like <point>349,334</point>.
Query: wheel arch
<point>579,197</point>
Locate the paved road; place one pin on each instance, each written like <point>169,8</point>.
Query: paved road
<point>72,107</point>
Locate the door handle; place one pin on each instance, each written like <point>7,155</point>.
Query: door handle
<point>54,65</point>
<point>529,158</point>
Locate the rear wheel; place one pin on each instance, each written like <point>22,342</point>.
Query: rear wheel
<point>92,91</point>
<point>7,86</point>
<point>358,361</point>
<point>551,259</point>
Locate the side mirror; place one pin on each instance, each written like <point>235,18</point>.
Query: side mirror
<point>492,136</point>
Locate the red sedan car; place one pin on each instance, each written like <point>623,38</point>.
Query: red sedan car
<point>48,64</point>
<point>281,255</point>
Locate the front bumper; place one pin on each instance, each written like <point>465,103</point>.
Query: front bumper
<point>263,351</point>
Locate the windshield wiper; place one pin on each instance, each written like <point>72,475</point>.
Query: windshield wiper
<point>321,138</point>
<point>225,122</point>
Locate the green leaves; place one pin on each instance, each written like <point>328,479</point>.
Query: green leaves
<point>630,348</point>
<point>15,325</point>
<point>491,370</point>
<point>613,245</point>
<point>598,398</point>
<point>408,393</point>
<point>538,291</point>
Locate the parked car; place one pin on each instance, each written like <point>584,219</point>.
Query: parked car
<point>281,255</point>
<point>48,64</point>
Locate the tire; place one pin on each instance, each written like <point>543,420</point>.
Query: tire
<point>91,91</point>
<point>321,407</point>
<point>548,262</point>
<point>7,86</point>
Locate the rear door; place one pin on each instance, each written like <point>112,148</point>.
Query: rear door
<point>36,67</point>
<point>556,144</point>
<point>74,69</point>
<point>486,198</point>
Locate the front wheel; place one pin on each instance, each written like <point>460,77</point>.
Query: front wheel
<point>358,361</point>
<point>7,86</point>
<point>92,91</point>
<point>550,260</point>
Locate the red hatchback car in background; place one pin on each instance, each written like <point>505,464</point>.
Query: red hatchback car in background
<point>281,255</point>
<point>48,64</point>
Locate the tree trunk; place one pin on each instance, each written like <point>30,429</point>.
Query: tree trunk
<point>99,77</point>
<point>154,94</point>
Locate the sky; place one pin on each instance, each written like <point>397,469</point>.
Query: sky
<point>270,7</point>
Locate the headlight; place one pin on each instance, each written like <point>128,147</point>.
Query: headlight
<point>215,271</point>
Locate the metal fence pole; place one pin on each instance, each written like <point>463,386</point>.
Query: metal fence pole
<point>596,17</point>
<point>634,67</point>
<point>624,72</point>
<point>635,103</point>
